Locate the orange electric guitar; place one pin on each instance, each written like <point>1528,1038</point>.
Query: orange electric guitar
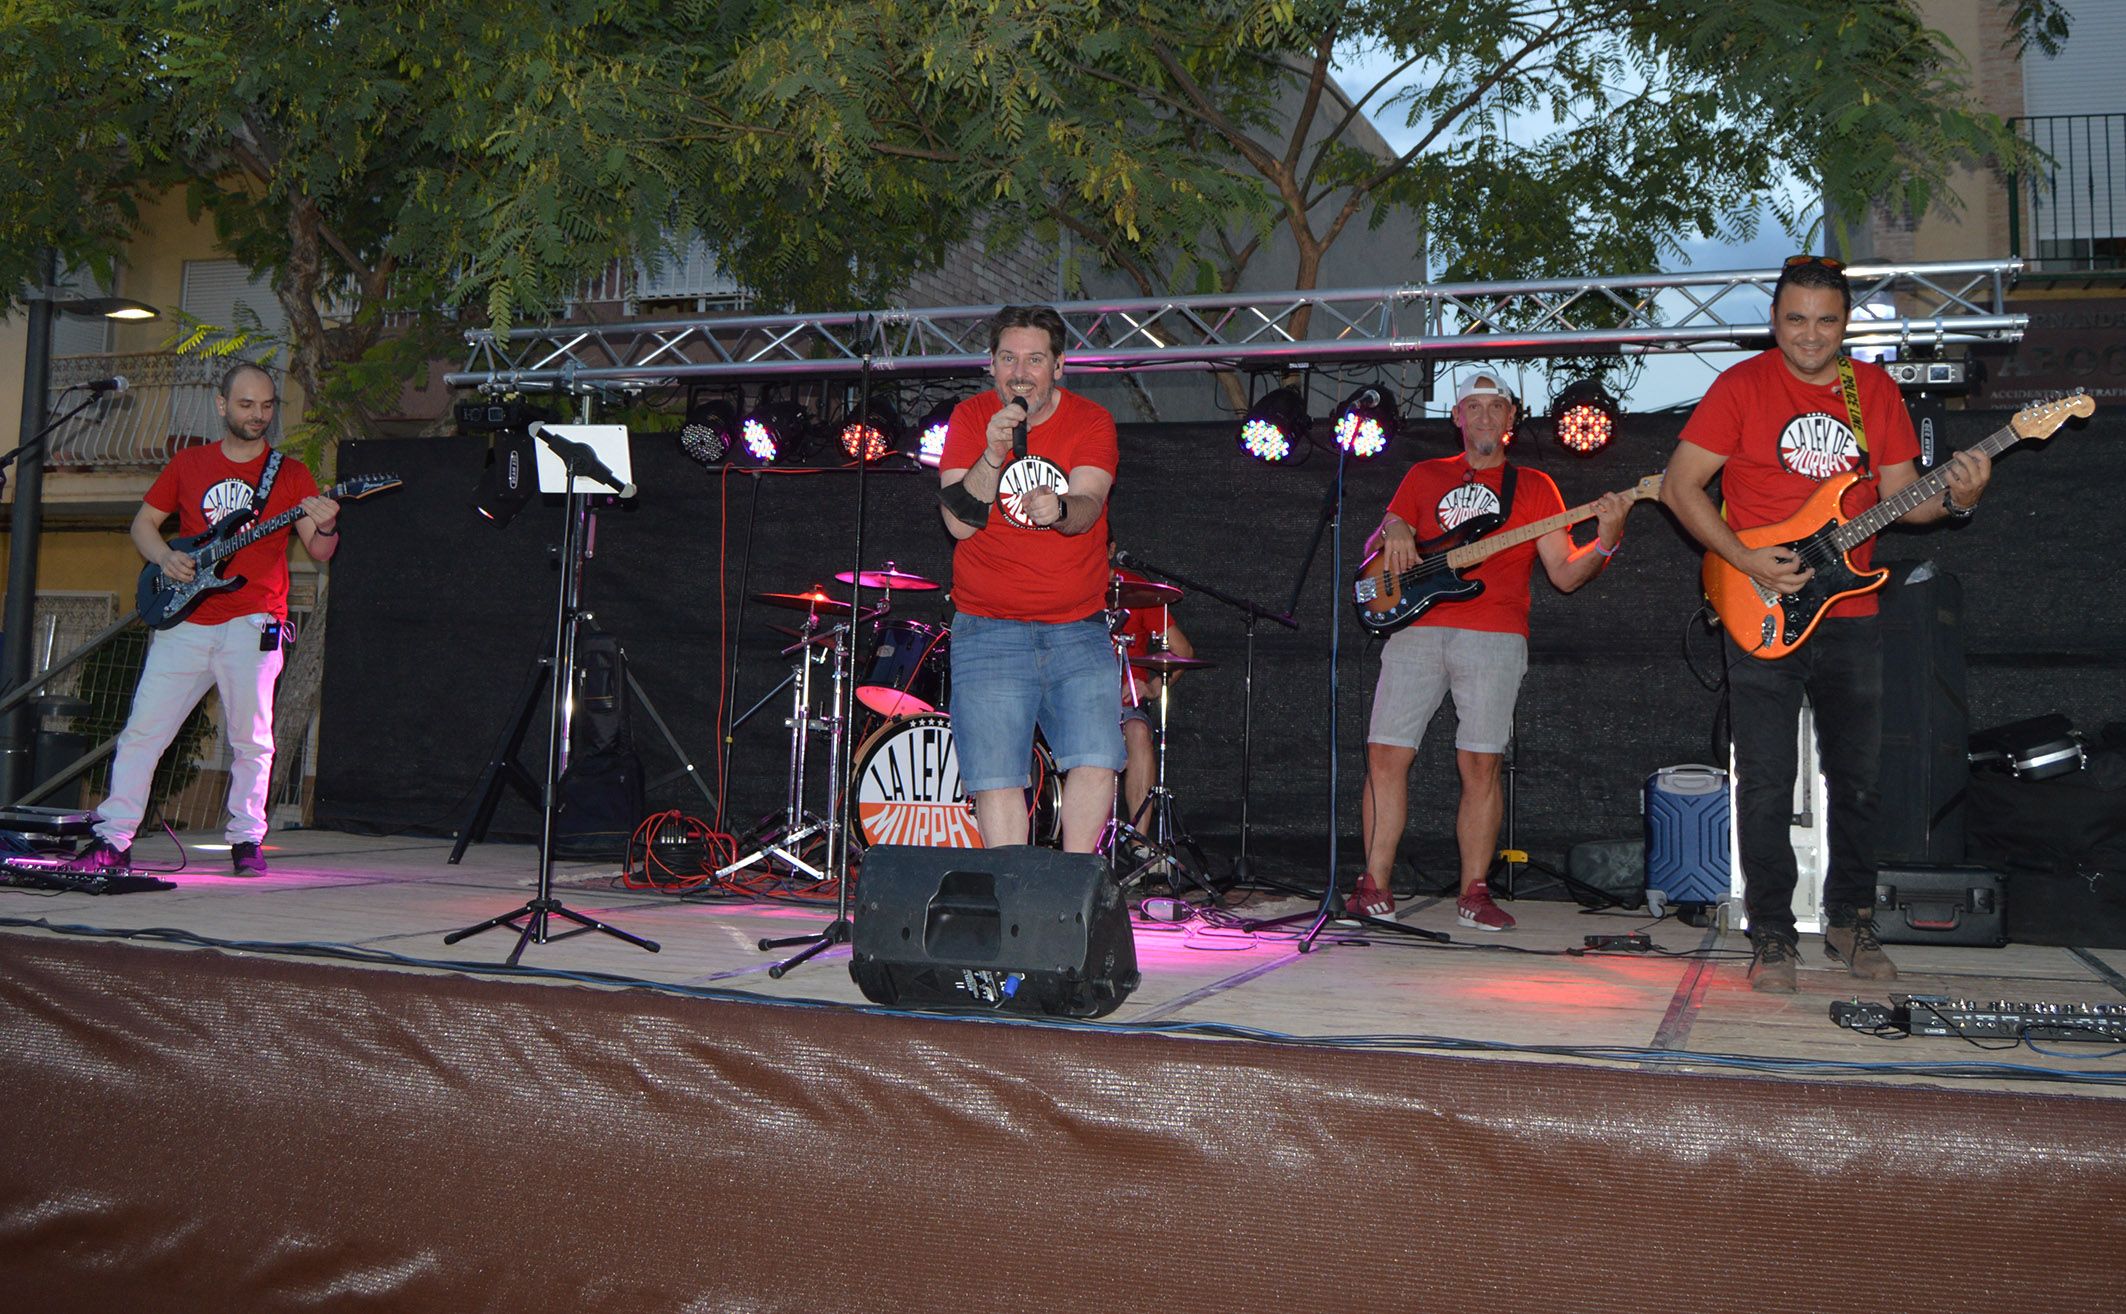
<point>1767,624</point>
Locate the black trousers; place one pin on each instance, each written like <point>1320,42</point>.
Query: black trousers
<point>1840,669</point>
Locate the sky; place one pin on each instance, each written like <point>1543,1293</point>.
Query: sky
<point>1670,378</point>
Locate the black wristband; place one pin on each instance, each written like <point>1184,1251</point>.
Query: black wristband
<point>970,510</point>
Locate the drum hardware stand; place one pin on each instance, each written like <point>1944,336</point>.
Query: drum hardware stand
<point>1253,612</point>
<point>533,920</point>
<point>784,842</point>
<point>839,931</point>
<point>1166,840</point>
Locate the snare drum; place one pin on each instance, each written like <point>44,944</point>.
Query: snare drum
<point>908,789</point>
<point>910,668</point>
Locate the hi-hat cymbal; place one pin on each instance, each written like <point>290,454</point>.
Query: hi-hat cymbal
<point>814,600</point>
<point>1166,663</point>
<point>889,576</point>
<point>1140,593</point>
<point>801,637</point>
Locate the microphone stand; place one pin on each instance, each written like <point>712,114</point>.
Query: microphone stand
<point>1254,612</point>
<point>536,915</point>
<point>1331,522</point>
<point>36,440</point>
<point>842,928</point>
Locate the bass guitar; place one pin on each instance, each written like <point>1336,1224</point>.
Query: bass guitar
<point>1388,601</point>
<point>1768,624</point>
<point>164,602</point>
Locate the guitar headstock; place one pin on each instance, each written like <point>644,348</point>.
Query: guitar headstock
<point>356,487</point>
<point>1647,489</point>
<point>2038,420</point>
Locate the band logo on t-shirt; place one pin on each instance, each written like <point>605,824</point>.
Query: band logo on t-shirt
<point>1818,446</point>
<point>1022,477</point>
<point>1465,502</point>
<point>225,498</point>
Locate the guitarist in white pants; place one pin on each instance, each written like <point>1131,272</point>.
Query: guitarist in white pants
<point>231,639</point>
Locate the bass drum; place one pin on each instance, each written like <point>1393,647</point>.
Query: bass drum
<point>908,791</point>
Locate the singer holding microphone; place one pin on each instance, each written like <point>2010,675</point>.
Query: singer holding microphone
<point>1023,485</point>
<point>231,641</point>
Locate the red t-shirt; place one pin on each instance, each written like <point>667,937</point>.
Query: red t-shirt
<point>201,485</point>
<point>1140,625</point>
<point>1436,496</point>
<point>1783,437</point>
<point>1008,573</point>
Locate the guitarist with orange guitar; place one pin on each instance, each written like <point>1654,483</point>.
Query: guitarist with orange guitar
<point>1803,428</point>
<point>1474,647</point>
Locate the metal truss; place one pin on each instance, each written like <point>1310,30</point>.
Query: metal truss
<point>1943,304</point>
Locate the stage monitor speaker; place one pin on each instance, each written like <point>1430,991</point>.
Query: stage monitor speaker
<point>1015,929</point>
<point>1925,717</point>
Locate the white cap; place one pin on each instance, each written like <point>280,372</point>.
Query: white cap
<point>1483,381</point>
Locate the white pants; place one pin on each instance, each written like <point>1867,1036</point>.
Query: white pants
<point>183,662</point>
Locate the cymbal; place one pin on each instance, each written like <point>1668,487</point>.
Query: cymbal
<point>1140,593</point>
<point>889,576</point>
<point>1166,663</point>
<point>814,600</point>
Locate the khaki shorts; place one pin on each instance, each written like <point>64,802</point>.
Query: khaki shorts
<point>1424,663</point>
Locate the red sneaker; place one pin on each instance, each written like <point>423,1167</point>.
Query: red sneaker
<point>1369,899</point>
<point>1475,908</point>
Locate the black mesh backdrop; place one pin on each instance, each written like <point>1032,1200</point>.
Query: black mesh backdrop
<point>438,617</point>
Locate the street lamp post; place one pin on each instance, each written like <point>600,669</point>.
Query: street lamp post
<point>17,735</point>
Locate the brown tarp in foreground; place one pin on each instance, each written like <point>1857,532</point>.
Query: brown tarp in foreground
<point>188,1130</point>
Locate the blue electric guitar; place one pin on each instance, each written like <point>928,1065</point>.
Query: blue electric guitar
<point>163,601</point>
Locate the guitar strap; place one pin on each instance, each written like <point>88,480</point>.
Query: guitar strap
<point>264,488</point>
<point>1850,390</point>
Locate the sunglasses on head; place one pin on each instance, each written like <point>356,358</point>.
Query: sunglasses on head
<point>1831,263</point>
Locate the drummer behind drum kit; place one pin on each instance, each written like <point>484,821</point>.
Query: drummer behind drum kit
<point>905,780</point>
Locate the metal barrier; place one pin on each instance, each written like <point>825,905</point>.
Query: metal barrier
<point>2068,219</point>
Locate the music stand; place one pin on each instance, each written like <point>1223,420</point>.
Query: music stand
<point>582,455</point>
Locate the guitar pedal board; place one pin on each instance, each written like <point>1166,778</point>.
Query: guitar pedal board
<point>1967,1019</point>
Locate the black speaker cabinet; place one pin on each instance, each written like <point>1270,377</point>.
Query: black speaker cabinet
<point>1018,929</point>
<point>1925,720</point>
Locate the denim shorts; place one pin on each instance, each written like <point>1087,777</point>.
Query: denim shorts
<point>1008,676</point>
<point>1424,663</point>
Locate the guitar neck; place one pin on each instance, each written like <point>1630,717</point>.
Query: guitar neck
<point>260,530</point>
<point>1918,493</point>
<point>1492,544</point>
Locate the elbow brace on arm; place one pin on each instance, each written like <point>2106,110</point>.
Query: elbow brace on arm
<point>966,506</point>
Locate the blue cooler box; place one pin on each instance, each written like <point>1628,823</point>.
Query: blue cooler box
<point>1687,856</point>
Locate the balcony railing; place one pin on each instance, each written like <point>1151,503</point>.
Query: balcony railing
<point>168,404</point>
<point>2071,218</point>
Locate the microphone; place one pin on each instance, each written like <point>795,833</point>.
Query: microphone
<point>1123,558</point>
<point>581,458</point>
<point>1018,431</point>
<point>116,383</point>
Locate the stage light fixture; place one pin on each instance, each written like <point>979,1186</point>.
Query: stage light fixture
<point>926,441</point>
<point>1365,423</point>
<point>1275,430</point>
<point>1586,417</point>
<point>711,428</point>
<point>870,436</point>
<point>774,432</point>
<point>510,479</point>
